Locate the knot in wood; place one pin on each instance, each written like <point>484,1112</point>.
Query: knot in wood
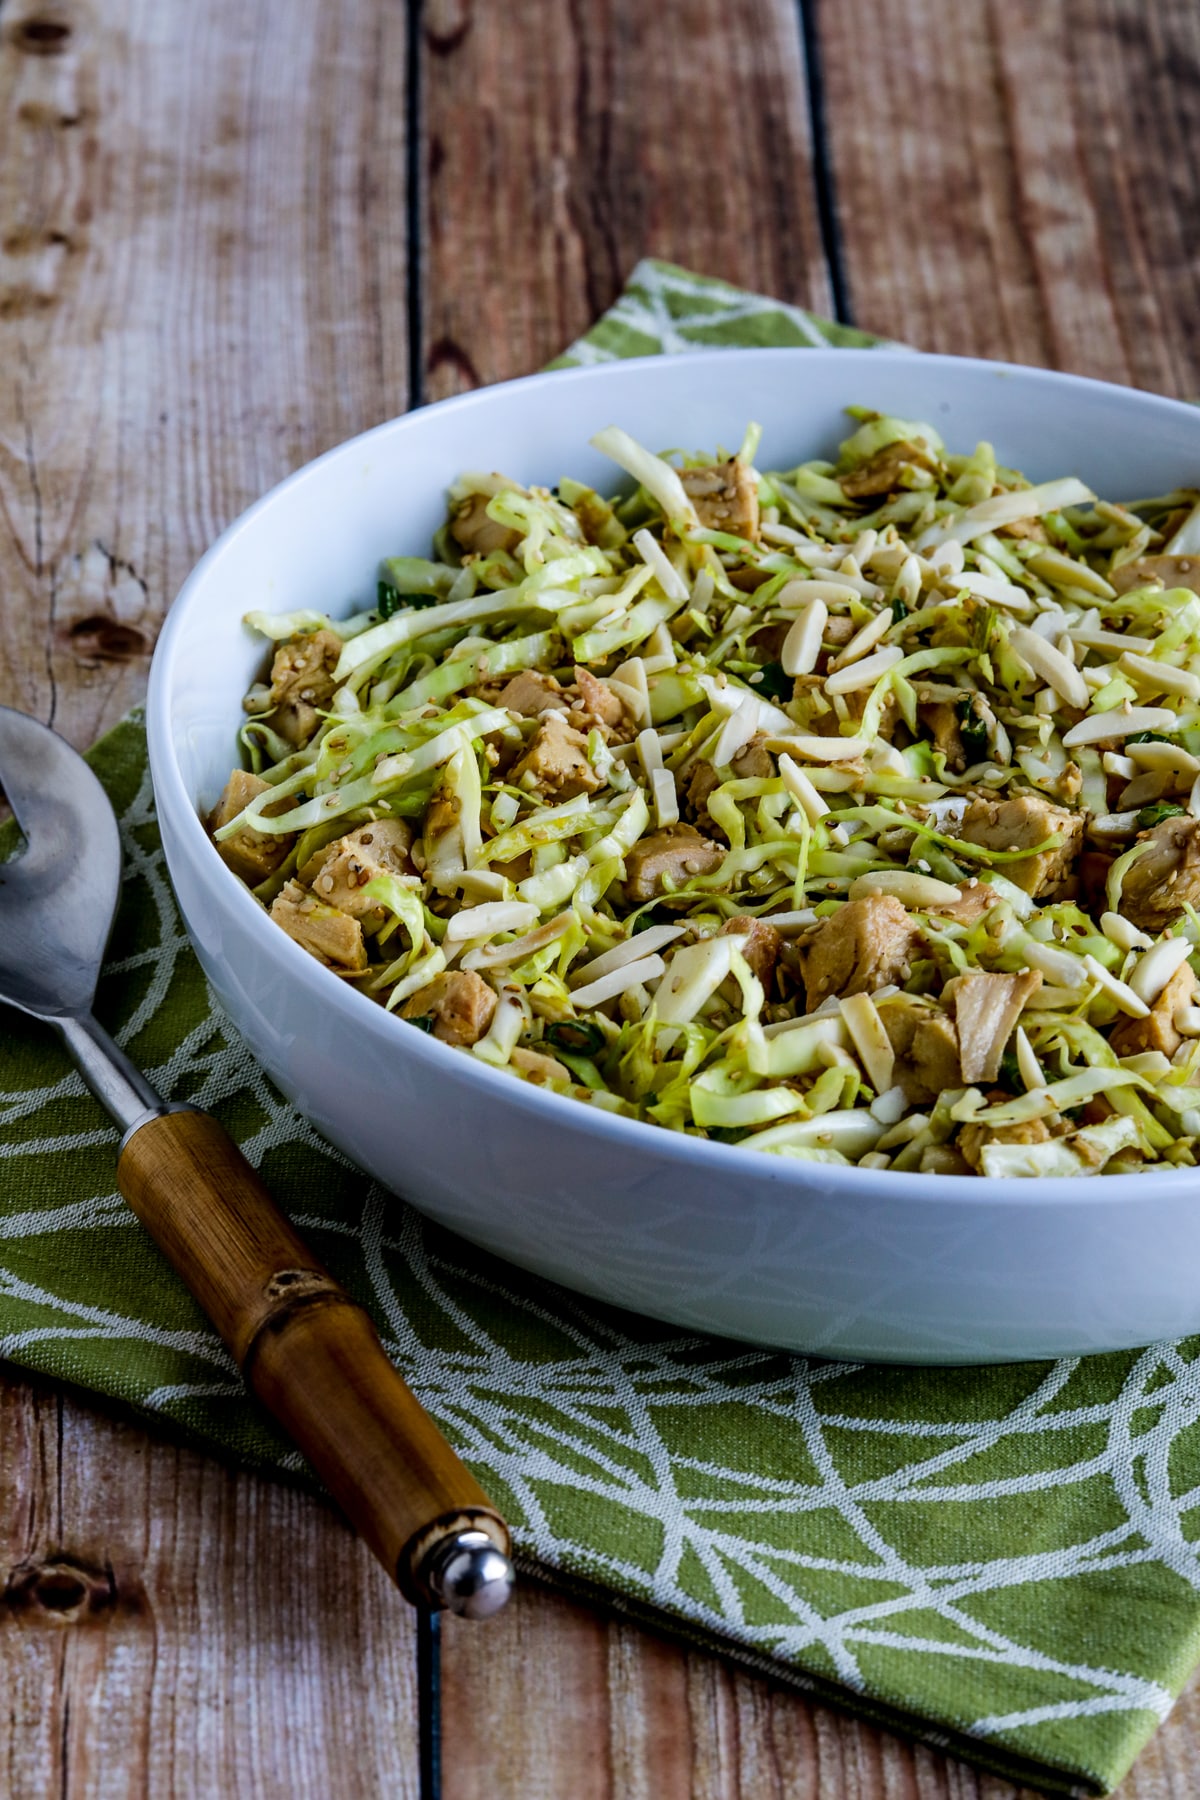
<point>60,1590</point>
<point>40,36</point>
<point>99,639</point>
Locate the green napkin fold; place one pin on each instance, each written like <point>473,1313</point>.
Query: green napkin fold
<point>1002,1561</point>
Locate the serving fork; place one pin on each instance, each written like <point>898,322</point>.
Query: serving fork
<point>307,1351</point>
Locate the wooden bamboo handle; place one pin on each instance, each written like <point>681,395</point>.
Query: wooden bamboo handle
<point>309,1352</point>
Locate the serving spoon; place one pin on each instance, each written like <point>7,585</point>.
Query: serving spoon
<point>307,1351</point>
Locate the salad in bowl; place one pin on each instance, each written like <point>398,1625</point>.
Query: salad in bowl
<point>849,812</point>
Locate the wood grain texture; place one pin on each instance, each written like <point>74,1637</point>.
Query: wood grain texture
<point>574,1706</point>
<point>564,139</point>
<point>1025,185</point>
<point>202,278</point>
<point>168,1627</point>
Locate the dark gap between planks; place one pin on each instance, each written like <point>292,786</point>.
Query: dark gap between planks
<point>429,1704</point>
<point>414,172</point>
<point>823,175</point>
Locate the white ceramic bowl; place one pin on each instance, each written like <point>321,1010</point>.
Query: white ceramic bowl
<point>842,1262</point>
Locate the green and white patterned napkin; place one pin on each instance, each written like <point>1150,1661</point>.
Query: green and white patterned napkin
<point>1003,1561</point>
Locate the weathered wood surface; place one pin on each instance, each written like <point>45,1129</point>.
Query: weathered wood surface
<point>202,285</point>
<point>563,142</point>
<point>1025,184</point>
<point>204,280</point>
<point>169,1627</point>
<point>575,1707</point>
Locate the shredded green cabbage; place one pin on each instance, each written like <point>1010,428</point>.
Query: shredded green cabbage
<point>849,813</point>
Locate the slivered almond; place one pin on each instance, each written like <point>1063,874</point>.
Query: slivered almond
<point>1094,638</point>
<point>1160,756</point>
<point>649,751</point>
<point>1163,676</point>
<point>870,1040</point>
<point>1151,972</point>
<point>634,949</point>
<point>1120,991</point>
<point>905,885</point>
<point>863,640</point>
<point>492,916</point>
<point>667,575</point>
<point>865,673</point>
<point>1028,1066</point>
<point>801,789</point>
<point>1122,933</point>
<point>804,589</point>
<point>666,800</point>
<point>1044,660</point>
<point>494,956</point>
<point>802,645</point>
<point>617,981</point>
<point>1118,724</point>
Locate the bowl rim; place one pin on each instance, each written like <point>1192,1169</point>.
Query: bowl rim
<point>848,1183</point>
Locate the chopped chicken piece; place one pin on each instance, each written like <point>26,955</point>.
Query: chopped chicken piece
<point>1172,571</point>
<point>537,1067</point>
<point>386,842</point>
<point>557,761</point>
<point>1020,823</point>
<point>747,579</point>
<point>986,1007</point>
<point>760,944</point>
<point>460,1004</point>
<point>345,868</point>
<point>940,719</point>
<point>925,1045</point>
<point>1157,886</point>
<point>883,472</point>
<point>1092,869</point>
<point>251,854</point>
<point>519,869</point>
<point>973,1138</point>
<point>530,693</point>
<point>597,705</point>
<point>864,945</point>
<point>326,932</point>
<point>753,760</point>
<point>725,496</point>
<point>702,782</point>
<point>302,681</point>
<point>678,852</point>
<point>476,534</point>
<point>1157,1032</point>
<point>767,644</point>
<point>839,629</point>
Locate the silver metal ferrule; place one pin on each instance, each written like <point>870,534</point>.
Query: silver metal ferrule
<point>469,1576</point>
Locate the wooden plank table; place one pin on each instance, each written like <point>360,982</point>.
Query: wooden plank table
<point>233,234</point>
